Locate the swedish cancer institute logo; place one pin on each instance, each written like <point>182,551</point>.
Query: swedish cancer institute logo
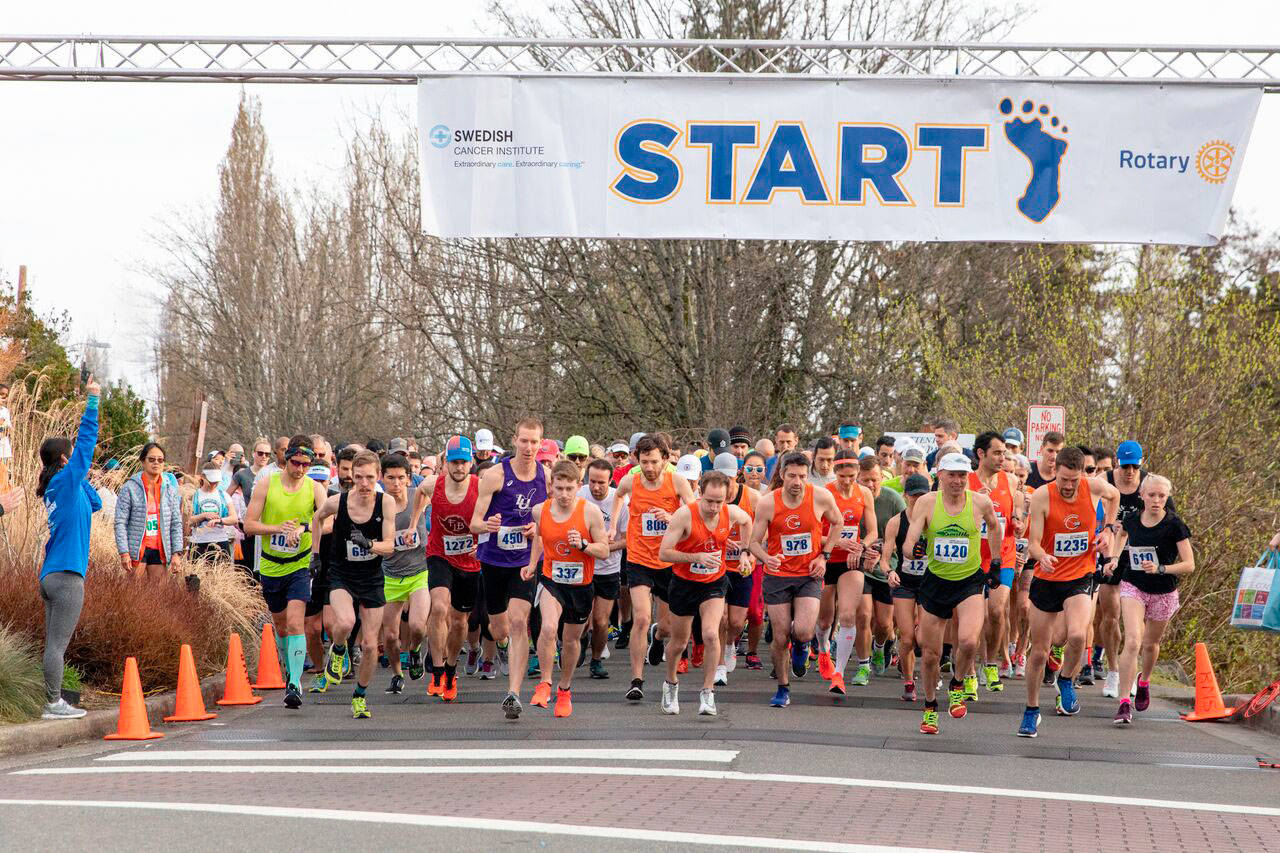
<point>440,135</point>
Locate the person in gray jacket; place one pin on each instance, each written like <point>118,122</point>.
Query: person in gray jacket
<point>148,523</point>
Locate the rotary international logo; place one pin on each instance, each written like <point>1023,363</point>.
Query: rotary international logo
<point>1213,161</point>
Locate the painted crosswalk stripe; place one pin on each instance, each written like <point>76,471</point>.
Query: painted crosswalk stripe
<point>712,756</point>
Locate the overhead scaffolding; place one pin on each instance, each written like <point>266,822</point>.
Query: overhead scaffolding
<point>238,59</point>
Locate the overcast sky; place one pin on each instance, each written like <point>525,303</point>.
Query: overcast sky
<point>89,171</point>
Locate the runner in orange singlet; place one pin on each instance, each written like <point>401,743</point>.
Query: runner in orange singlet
<point>842,582</point>
<point>737,560</point>
<point>991,480</point>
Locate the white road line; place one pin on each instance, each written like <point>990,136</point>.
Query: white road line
<point>714,756</point>
<point>483,824</point>
<point>663,772</point>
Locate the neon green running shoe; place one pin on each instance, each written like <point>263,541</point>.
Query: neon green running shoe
<point>359,708</point>
<point>970,688</point>
<point>929,725</point>
<point>862,677</point>
<point>955,703</point>
<point>877,660</point>
<point>993,678</point>
<point>336,669</point>
<point>319,684</point>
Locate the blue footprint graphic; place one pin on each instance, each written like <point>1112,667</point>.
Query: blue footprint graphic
<point>1043,151</point>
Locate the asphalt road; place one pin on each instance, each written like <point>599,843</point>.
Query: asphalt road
<point>825,773</point>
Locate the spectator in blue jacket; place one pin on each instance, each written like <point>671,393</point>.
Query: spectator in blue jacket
<point>148,523</point>
<point>70,502</point>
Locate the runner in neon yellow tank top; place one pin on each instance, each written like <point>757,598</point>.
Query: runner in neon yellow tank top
<point>953,582</point>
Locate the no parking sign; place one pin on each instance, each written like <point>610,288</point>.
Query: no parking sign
<point>1042,420</point>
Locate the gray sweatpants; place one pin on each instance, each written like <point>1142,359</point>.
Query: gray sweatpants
<point>63,594</point>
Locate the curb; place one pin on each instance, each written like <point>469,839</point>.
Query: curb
<point>1268,721</point>
<point>52,734</point>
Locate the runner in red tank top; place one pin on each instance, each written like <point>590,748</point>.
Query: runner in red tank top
<point>991,480</point>
<point>790,518</point>
<point>453,572</point>
<point>570,538</point>
<point>695,544</point>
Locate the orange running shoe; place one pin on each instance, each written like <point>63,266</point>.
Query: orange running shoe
<point>450,691</point>
<point>436,687</point>
<point>837,684</point>
<point>699,650</point>
<point>826,668</point>
<point>955,703</point>
<point>541,694</point>
<point>564,705</point>
<point>683,666</point>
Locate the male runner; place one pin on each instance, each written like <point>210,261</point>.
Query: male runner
<point>738,564</point>
<point>843,579</point>
<point>785,439</point>
<point>950,519</point>
<point>905,573</point>
<point>405,574</point>
<point>453,572</point>
<point>571,536</point>
<point>508,493</point>
<point>608,572</point>
<point>655,494</point>
<point>849,437</point>
<point>694,544</point>
<point>319,614</point>
<point>1042,468</point>
<point>824,458</point>
<point>875,612</point>
<point>1062,522</point>
<point>790,519</point>
<point>355,570</point>
<point>280,512</point>
<point>991,480</point>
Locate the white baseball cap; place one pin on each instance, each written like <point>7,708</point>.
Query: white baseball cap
<point>954,462</point>
<point>865,452</point>
<point>484,439</point>
<point>619,447</point>
<point>902,442</point>
<point>689,467</point>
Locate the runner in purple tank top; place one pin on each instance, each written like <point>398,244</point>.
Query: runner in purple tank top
<point>508,493</point>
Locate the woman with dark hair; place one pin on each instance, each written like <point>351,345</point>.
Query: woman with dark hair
<point>70,502</point>
<point>149,518</point>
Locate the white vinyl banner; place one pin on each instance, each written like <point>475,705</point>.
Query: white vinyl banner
<point>828,160</point>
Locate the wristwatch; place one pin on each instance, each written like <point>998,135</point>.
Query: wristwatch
<point>826,555</point>
<point>1160,569</point>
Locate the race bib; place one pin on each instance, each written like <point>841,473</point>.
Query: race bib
<point>913,567</point>
<point>702,569</point>
<point>796,544</point>
<point>732,552</point>
<point>848,536</point>
<point>1022,546</point>
<point>1000,522</point>
<point>407,540</point>
<point>1138,554</point>
<point>153,524</point>
<point>1070,544</point>
<point>456,546</point>
<point>279,543</point>
<point>651,525</point>
<point>356,554</point>
<point>567,572</point>
<point>511,538</point>
<point>951,549</point>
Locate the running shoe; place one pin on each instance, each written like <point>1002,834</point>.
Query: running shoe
<point>1006,671</point>
<point>730,657</point>
<point>614,632</point>
<point>541,694</point>
<point>623,640</point>
<point>826,668</point>
<point>655,646</point>
<point>534,669</point>
<point>909,692</point>
<point>292,696</point>
<point>877,659</point>
<point>754,662</point>
<point>1111,684</point>
<point>383,661</point>
<point>993,678</point>
<point>1055,658</point>
<point>1047,681</point>
<point>722,676</point>
<point>473,661</point>
<point>636,691</point>
<point>970,688</point>
<point>837,684</point>
<point>1020,667</point>
<point>1030,722</point>
<point>504,660</point>
<point>1142,701</point>
<point>698,653</point>
<point>416,669</point>
<point>436,685</point>
<point>564,704</point>
<point>814,650</point>
<point>397,684</point>
<point>511,706</point>
<point>945,666</point>
<point>350,659</point>
<point>799,659</point>
<point>486,670</point>
<point>862,677</point>
<point>1069,706</point>
<point>929,723</point>
<point>683,666</point>
<point>359,708</point>
<point>584,650</point>
<point>782,698</point>
<point>707,702</point>
<point>336,669</point>
<point>955,703</point>
<point>1099,672</point>
<point>319,684</point>
<point>1124,716</point>
<point>62,710</point>
<point>670,703</point>
<point>450,691</point>
<point>604,653</point>
<point>597,669</point>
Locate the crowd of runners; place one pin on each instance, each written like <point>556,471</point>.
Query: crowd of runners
<point>957,571</point>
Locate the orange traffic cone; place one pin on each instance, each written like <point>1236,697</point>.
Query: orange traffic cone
<point>237,690</point>
<point>269,677</point>
<point>1208,697</point>
<point>132,724</point>
<point>190,705</point>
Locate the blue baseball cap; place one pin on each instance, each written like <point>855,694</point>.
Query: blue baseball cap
<point>1129,453</point>
<point>849,431</point>
<point>1013,435</point>
<point>457,449</point>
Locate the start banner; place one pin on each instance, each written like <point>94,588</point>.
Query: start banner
<point>830,160</point>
